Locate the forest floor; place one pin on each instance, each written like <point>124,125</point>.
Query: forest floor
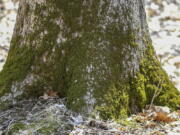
<point>51,117</point>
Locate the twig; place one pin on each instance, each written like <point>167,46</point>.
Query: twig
<point>156,93</point>
<point>9,126</point>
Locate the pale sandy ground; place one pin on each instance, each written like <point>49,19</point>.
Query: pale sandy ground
<point>164,23</point>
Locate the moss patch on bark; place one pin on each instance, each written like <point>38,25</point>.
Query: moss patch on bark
<point>16,68</point>
<point>156,79</point>
<point>138,92</point>
<point>115,104</point>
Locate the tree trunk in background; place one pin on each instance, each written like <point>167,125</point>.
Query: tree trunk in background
<point>97,53</point>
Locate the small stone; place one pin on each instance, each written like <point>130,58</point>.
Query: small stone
<point>92,123</point>
<point>1,60</point>
<point>163,109</point>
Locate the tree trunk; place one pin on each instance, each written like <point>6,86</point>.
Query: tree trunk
<point>96,53</point>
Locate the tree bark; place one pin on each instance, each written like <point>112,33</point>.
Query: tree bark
<point>96,53</point>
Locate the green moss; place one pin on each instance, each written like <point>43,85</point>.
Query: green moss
<point>152,79</point>
<point>48,129</point>
<point>36,89</point>
<point>16,127</point>
<point>16,68</point>
<point>138,92</point>
<point>3,106</point>
<point>49,125</point>
<point>21,59</point>
<point>115,104</point>
<point>42,127</point>
<point>157,80</point>
<point>129,123</point>
<point>134,44</point>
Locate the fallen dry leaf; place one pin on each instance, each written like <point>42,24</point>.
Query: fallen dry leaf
<point>163,117</point>
<point>49,94</point>
<point>52,93</point>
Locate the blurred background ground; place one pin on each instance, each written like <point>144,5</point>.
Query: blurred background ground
<point>8,11</point>
<point>163,18</point>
